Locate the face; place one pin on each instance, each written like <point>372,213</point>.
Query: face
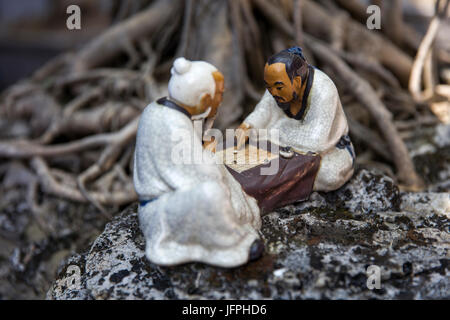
<point>279,84</point>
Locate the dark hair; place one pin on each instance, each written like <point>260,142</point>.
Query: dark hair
<point>294,61</point>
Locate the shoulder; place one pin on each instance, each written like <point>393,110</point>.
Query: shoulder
<point>267,96</point>
<point>157,116</point>
<point>149,111</point>
<point>322,82</point>
<point>266,99</point>
<point>159,113</point>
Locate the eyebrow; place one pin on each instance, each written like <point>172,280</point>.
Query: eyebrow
<point>279,83</point>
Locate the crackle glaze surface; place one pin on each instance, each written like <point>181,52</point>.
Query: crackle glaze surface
<point>199,212</point>
<point>321,129</point>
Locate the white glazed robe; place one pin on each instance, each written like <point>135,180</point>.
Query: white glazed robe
<point>320,130</point>
<point>199,211</point>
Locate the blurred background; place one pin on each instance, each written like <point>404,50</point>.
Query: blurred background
<point>34,32</point>
<point>70,99</point>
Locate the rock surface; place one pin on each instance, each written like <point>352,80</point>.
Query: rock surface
<point>30,254</point>
<point>314,250</point>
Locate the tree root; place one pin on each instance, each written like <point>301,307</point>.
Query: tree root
<point>26,149</point>
<point>424,55</point>
<point>51,186</point>
<point>107,46</point>
<point>81,108</point>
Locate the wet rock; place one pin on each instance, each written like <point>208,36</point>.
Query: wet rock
<point>317,249</point>
<point>368,192</point>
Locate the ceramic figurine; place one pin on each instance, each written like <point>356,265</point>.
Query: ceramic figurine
<point>193,211</point>
<point>302,102</point>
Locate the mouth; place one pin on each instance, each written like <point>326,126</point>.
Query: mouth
<point>278,99</point>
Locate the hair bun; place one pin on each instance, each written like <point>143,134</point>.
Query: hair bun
<point>297,51</point>
<point>181,65</point>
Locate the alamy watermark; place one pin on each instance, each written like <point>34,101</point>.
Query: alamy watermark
<point>374,20</point>
<point>73,281</point>
<point>73,21</point>
<point>373,273</point>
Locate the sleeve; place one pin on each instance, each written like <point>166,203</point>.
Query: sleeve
<point>263,113</point>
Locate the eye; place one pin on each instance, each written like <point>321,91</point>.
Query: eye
<point>279,88</point>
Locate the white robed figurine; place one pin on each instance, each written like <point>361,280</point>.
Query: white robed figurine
<point>303,103</point>
<point>191,209</point>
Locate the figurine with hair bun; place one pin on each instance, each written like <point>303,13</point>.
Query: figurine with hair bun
<point>192,211</point>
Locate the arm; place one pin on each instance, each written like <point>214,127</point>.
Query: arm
<point>264,113</point>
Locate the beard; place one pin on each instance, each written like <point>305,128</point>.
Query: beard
<point>285,106</point>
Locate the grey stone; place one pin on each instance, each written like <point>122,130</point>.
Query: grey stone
<point>316,249</point>
<point>442,136</point>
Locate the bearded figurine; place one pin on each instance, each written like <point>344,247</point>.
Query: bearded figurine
<point>303,104</point>
<point>191,208</point>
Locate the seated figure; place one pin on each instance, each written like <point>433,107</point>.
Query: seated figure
<point>190,210</point>
<point>303,103</point>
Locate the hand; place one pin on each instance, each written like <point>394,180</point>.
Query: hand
<point>242,135</point>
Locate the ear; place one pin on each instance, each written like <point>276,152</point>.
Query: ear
<point>218,78</point>
<point>297,84</point>
<point>205,102</point>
